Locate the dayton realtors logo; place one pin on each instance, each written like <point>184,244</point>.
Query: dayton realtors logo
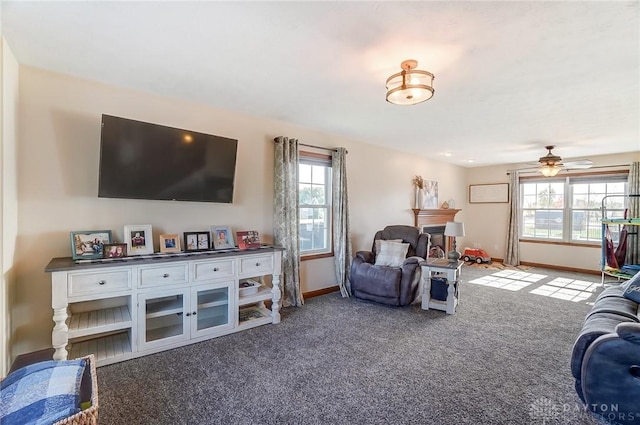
<point>544,411</point>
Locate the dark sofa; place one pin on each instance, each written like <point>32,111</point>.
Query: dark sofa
<point>606,356</point>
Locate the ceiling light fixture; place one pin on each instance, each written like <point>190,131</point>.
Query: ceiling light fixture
<point>549,170</point>
<point>410,86</point>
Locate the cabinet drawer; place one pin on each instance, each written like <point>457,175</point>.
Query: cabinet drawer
<point>256,265</point>
<point>164,275</point>
<point>213,270</point>
<point>99,282</point>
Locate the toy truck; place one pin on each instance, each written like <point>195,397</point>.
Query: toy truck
<point>476,254</point>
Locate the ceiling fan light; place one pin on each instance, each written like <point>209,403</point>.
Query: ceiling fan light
<point>410,86</point>
<point>549,170</point>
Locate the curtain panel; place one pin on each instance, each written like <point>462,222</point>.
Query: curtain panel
<point>341,231</point>
<point>512,254</point>
<point>633,241</point>
<point>286,218</point>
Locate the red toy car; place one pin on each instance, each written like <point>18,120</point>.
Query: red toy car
<point>476,254</point>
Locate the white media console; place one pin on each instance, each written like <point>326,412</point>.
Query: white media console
<point>131,307</point>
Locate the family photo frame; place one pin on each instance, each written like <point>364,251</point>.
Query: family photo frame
<point>196,241</point>
<point>222,237</point>
<point>89,244</point>
<point>139,239</point>
<point>170,243</point>
<point>115,250</point>
<point>248,239</point>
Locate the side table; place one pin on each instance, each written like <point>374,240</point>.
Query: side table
<point>440,267</point>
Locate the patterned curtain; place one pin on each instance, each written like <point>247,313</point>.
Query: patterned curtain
<point>286,218</point>
<point>633,241</point>
<point>512,254</point>
<point>341,230</point>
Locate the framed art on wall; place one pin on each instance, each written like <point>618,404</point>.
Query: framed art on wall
<point>139,239</point>
<point>170,243</point>
<point>89,244</point>
<point>222,237</point>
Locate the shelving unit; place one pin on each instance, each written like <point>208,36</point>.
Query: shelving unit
<point>120,311</point>
<point>634,222</point>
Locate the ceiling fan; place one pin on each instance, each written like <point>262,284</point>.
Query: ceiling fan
<point>551,164</point>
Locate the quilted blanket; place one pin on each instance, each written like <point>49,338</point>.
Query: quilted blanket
<point>41,393</point>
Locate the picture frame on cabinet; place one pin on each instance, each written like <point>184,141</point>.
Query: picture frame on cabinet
<point>222,237</point>
<point>248,239</point>
<point>115,250</point>
<point>139,239</point>
<point>89,244</point>
<point>170,243</point>
<point>196,241</point>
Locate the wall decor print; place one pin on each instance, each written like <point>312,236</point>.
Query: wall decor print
<point>169,243</point>
<point>222,237</point>
<point>196,241</point>
<point>139,239</point>
<point>248,239</point>
<point>89,244</point>
<point>115,250</point>
<point>430,194</point>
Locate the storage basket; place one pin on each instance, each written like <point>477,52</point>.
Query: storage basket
<point>88,392</point>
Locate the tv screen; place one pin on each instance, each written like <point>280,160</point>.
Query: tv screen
<point>139,160</point>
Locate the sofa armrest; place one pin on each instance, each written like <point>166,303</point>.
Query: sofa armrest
<point>366,256</point>
<point>412,260</point>
<point>629,332</point>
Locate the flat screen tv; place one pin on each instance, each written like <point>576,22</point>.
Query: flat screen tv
<point>140,160</point>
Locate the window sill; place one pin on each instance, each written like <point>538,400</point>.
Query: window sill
<point>316,256</point>
<point>552,242</point>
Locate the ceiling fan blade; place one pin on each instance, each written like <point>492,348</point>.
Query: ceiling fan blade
<point>581,164</point>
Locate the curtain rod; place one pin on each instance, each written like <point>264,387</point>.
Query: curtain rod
<point>535,170</point>
<point>314,146</point>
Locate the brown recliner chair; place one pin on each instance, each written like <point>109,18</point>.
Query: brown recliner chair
<point>390,285</point>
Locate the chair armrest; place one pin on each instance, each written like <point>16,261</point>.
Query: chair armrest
<point>366,256</point>
<point>629,332</point>
<point>412,260</point>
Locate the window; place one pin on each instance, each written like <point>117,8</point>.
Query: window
<point>569,209</point>
<point>314,192</point>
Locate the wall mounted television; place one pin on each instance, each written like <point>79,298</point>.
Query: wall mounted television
<point>140,160</point>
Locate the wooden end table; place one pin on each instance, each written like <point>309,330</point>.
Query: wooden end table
<point>440,267</point>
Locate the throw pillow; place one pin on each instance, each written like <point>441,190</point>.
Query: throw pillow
<point>632,290</point>
<point>392,254</point>
<point>379,241</point>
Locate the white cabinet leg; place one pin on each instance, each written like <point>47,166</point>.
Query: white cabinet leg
<point>275,306</point>
<point>60,334</point>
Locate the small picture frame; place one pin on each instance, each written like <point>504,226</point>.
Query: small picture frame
<point>222,237</point>
<point>115,250</point>
<point>89,244</point>
<point>196,241</point>
<point>170,243</point>
<point>139,239</point>
<point>248,239</point>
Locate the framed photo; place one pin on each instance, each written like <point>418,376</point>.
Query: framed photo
<point>248,239</point>
<point>139,239</point>
<point>430,194</point>
<point>196,241</point>
<point>489,193</point>
<point>170,243</point>
<point>222,237</point>
<point>88,244</point>
<point>115,250</point>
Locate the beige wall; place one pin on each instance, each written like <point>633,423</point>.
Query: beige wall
<point>8,194</point>
<point>486,224</point>
<point>59,136</point>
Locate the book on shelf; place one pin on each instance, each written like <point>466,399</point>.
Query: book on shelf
<point>250,313</point>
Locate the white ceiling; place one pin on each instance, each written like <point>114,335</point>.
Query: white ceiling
<point>511,77</point>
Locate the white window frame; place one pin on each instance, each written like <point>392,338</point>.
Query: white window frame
<point>310,158</point>
<point>569,183</point>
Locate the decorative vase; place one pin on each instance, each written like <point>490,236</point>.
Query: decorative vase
<point>422,196</point>
<point>417,204</point>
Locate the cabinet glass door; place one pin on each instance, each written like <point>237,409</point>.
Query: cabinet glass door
<point>164,319</point>
<point>212,310</point>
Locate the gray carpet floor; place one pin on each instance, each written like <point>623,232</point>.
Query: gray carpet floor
<point>503,358</point>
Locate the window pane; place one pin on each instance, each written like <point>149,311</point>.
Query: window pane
<point>312,195</point>
<point>314,190</point>
<point>304,173</point>
<point>318,173</point>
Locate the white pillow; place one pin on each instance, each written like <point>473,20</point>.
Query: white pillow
<point>378,241</point>
<point>392,254</point>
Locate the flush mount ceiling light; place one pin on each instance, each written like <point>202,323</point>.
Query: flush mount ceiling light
<point>410,86</point>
